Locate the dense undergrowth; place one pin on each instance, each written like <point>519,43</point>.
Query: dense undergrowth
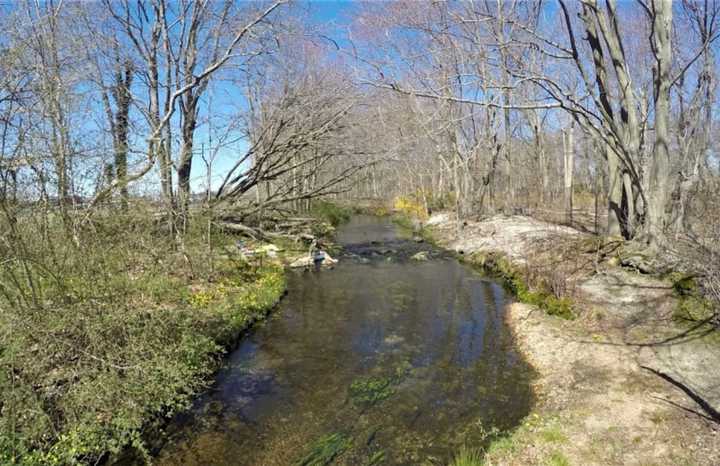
<point>105,337</point>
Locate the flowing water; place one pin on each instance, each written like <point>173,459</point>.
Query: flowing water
<point>382,360</point>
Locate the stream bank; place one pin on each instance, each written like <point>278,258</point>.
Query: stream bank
<point>613,382</point>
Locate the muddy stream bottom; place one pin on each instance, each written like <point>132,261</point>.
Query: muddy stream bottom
<point>382,360</point>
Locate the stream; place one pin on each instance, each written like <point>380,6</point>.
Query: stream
<point>382,360</point>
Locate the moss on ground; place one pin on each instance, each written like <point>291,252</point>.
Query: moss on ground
<point>692,305</point>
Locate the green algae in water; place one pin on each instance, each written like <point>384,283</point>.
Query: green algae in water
<point>376,458</point>
<point>370,391</point>
<point>325,450</point>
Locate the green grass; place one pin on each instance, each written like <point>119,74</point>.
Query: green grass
<point>557,459</point>
<point>553,434</point>
<point>376,458</point>
<point>501,447</point>
<point>468,457</point>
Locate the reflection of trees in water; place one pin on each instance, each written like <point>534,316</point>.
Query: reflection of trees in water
<point>433,328</point>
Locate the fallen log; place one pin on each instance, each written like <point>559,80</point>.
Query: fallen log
<point>240,228</point>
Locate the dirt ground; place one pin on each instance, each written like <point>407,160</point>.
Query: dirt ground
<point>623,383</point>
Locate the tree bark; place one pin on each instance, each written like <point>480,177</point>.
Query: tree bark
<point>660,165</point>
<point>617,216</point>
<point>569,154</point>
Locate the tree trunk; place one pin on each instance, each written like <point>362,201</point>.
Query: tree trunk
<point>569,154</point>
<point>617,217</point>
<point>659,186</point>
<point>185,163</point>
<point>123,98</point>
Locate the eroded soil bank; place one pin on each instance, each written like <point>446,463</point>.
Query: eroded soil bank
<point>621,383</point>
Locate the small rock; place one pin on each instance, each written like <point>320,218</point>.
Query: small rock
<point>307,261</point>
<point>420,256</point>
<point>268,248</point>
<point>639,263</point>
<point>418,239</point>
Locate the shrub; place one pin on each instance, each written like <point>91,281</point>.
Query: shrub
<point>410,206</point>
<point>330,212</point>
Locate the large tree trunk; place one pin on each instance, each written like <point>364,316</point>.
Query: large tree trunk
<point>659,187</point>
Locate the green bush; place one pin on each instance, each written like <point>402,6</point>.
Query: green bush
<point>106,338</point>
<point>330,212</point>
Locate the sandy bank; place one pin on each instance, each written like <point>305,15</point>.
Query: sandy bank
<point>615,385</point>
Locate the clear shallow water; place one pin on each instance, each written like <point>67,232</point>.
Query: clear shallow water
<point>389,358</point>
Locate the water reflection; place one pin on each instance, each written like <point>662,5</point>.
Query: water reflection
<point>430,334</point>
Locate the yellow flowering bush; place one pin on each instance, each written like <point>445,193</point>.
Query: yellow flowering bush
<point>410,206</point>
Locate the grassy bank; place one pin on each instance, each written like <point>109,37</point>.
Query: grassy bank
<point>105,338</point>
<point>545,433</point>
<point>521,284</point>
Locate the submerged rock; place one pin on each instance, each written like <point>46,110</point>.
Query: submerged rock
<point>393,339</point>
